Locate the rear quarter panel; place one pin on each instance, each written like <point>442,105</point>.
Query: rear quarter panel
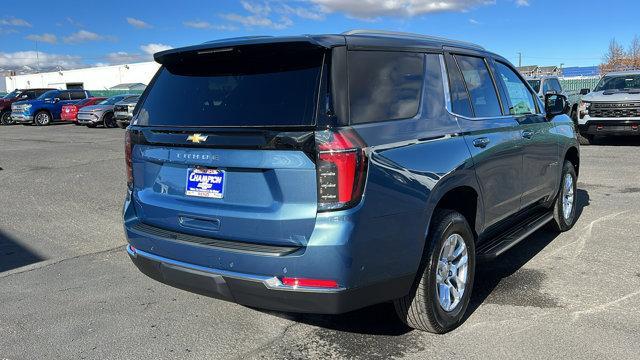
<point>412,164</point>
<point>564,128</point>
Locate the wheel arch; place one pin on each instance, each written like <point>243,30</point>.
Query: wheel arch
<point>462,194</point>
<point>573,156</point>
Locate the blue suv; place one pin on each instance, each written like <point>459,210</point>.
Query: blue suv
<point>327,173</point>
<point>46,108</point>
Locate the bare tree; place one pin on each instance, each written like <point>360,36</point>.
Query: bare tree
<point>614,59</point>
<point>634,52</point>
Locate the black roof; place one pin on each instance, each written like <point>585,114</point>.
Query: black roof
<point>354,39</point>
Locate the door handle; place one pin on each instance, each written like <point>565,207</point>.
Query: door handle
<point>481,142</point>
<point>527,134</point>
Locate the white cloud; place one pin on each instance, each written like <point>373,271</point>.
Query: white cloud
<point>474,22</point>
<point>47,38</point>
<point>522,3</point>
<point>11,21</point>
<point>314,13</point>
<point>84,35</point>
<point>151,49</point>
<point>196,24</point>
<point>138,23</point>
<point>43,60</point>
<point>259,16</point>
<point>368,9</point>
<point>122,57</point>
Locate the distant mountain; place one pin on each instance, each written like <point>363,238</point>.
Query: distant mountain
<point>26,69</point>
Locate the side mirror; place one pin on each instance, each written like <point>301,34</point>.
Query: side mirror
<point>555,104</point>
<point>23,96</point>
<point>585,91</point>
<point>55,100</point>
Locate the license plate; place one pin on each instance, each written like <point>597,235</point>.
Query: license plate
<point>203,182</point>
<point>121,114</point>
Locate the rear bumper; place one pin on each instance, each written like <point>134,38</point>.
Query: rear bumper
<point>68,118</point>
<point>262,291</point>
<point>611,127</point>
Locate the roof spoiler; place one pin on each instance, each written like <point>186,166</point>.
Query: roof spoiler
<point>224,45</point>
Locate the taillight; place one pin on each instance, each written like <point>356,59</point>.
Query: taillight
<point>128,147</point>
<point>341,167</point>
<point>303,282</point>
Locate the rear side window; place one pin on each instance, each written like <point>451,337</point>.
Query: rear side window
<point>520,98</point>
<point>384,85</point>
<point>484,97</point>
<point>460,103</point>
<point>251,86</point>
<point>77,95</point>
<point>63,95</point>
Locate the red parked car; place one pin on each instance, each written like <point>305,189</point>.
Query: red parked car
<point>70,112</point>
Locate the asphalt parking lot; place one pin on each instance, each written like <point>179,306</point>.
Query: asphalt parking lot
<point>68,289</point>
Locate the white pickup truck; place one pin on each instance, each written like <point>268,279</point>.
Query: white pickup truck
<point>612,108</point>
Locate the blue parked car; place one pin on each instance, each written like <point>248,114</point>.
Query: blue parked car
<point>328,173</point>
<point>46,108</point>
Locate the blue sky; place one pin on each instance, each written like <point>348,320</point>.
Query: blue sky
<point>73,33</point>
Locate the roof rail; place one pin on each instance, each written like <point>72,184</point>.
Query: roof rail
<point>410,35</point>
<point>238,38</point>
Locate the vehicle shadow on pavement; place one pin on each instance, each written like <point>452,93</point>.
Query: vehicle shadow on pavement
<point>381,319</point>
<point>617,141</point>
<point>13,255</point>
<point>490,274</point>
<point>378,319</point>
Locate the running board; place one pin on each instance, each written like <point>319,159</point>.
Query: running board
<point>495,247</point>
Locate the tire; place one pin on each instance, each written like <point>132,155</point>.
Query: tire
<point>421,309</point>
<point>122,125</point>
<point>42,118</point>
<point>566,199</point>
<point>108,121</point>
<point>5,118</point>
<point>585,139</point>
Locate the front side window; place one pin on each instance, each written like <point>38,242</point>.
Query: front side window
<point>384,85</point>
<point>484,97</point>
<point>63,95</point>
<point>49,94</point>
<point>521,100</point>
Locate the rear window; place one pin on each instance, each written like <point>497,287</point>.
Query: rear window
<point>267,86</point>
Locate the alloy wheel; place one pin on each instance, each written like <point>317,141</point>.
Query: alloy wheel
<point>451,273</point>
<point>568,197</point>
<point>42,118</point>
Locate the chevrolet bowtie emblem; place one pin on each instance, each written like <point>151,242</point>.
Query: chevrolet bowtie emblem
<point>197,138</point>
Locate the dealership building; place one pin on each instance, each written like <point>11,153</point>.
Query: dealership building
<point>95,78</point>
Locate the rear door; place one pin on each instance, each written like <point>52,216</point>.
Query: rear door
<point>493,139</point>
<point>541,151</point>
<point>227,142</point>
